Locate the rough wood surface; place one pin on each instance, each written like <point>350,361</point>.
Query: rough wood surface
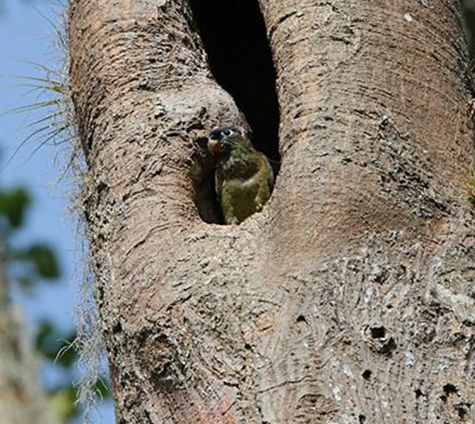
<point>350,298</point>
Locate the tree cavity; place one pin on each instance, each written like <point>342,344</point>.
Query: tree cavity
<point>234,36</point>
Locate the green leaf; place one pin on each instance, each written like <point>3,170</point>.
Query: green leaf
<point>45,329</point>
<point>13,205</point>
<point>44,260</point>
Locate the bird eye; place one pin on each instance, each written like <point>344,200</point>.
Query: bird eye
<point>228,132</point>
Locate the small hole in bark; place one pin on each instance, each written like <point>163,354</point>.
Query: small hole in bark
<point>117,328</point>
<point>301,318</point>
<point>247,346</point>
<point>449,389</point>
<point>378,332</point>
<point>362,418</point>
<point>234,36</point>
<point>389,346</point>
<point>462,410</point>
<point>418,393</point>
<point>366,374</point>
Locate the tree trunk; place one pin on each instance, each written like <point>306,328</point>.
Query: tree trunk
<point>350,298</point>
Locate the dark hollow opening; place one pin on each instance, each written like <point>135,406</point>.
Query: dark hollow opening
<point>378,332</point>
<point>366,374</point>
<point>469,14</point>
<point>449,389</point>
<point>235,39</point>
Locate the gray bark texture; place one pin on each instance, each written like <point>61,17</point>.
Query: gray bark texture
<point>351,297</point>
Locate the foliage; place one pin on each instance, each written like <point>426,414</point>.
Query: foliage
<point>26,267</point>
<point>36,263</point>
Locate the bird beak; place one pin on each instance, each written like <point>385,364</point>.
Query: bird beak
<point>214,146</point>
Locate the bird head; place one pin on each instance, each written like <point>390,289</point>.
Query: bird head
<point>222,140</point>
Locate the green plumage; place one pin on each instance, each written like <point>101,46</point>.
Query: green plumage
<point>243,176</point>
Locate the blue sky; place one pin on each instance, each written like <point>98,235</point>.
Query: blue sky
<point>27,37</point>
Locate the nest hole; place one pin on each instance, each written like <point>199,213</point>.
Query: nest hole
<point>235,39</point>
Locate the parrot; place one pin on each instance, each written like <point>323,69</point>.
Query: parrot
<point>243,176</point>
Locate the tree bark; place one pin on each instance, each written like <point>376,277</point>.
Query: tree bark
<point>350,298</point>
